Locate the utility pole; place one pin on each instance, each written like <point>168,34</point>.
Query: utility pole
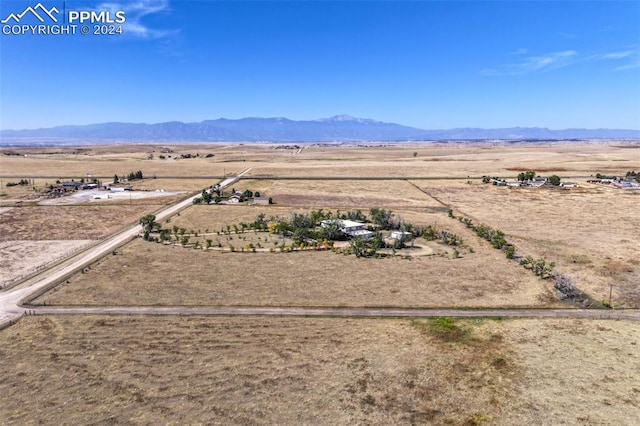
<point>610,291</point>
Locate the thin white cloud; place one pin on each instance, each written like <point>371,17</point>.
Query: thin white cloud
<point>135,12</point>
<point>631,56</point>
<point>520,51</point>
<point>624,59</point>
<point>531,64</point>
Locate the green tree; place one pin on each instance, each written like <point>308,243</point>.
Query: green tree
<point>331,230</point>
<point>381,217</point>
<point>554,180</point>
<point>149,224</point>
<point>116,180</point>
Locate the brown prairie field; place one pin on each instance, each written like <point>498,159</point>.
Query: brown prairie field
<point>591,232</point>
<point>144,273</point>
<point>84,222</point>
<point>66,369</point>
<point>136,370</point>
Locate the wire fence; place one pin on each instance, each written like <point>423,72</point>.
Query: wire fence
<point>25,275</point>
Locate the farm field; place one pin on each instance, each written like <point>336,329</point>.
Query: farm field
<point>145,273</point>
<point>590,232</point>
<point>21,257</point>
<point>82,222</point>
<point>375,160</point>
<point>75,369</point>
<point>341,371</point>
<point>342,193</point>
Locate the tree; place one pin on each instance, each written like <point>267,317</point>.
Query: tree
<point>116,180</point>
<point>331,230</point>
<point>149,224</point>
<point>206,196</point>
<point>554,180</point>
<point>381,217</point>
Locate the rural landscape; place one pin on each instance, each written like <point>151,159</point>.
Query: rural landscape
<point>464,283</point>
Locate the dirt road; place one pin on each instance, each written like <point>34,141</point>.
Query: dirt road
<point>11,300</point>
<point>633,315</point>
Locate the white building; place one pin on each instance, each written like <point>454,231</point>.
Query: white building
<point>349,227</point>
<point>400,235</point>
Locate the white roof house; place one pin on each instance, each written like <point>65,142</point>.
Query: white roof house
<point>400,235</point>
<point>349,227</point>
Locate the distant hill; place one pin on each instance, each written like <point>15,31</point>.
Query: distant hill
<point>340,128</point>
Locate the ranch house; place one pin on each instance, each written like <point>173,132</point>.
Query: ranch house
<point>349,227</point>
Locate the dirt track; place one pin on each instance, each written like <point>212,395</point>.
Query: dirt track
<point>11,301</point>
<point>633,315</point>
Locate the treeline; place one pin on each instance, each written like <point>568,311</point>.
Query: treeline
<point>630,175</point>
<point>130,177</point>
<point>540,267</point>
<point>22,182</point>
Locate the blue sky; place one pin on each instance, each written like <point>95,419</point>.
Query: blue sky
<point>428,64</point>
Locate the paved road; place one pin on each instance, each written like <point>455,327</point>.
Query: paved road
<point>10,300</point>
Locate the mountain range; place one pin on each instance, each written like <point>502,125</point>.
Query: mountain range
<point>340,128</point>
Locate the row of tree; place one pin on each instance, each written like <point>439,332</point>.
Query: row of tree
<point>22,182</point>
<point>497,239</point>
<point>130,177</point>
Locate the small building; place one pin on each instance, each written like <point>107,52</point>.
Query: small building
<point>72,185</point>
<point>261,201</point>
<point>401,236</point>
<point>235,198</point>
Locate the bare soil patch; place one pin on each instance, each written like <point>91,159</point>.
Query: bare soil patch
<point>18,258</point>
<point>153,274</point>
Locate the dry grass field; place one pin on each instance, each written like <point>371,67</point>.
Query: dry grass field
<point>590,232</point>
<point>342,193</point>
<point>288,370</point>
<point>69,222</point>
<point>216,217</point>
<point>116,370</point>
<point>153,274</point>
<point>20,257</point>
<point>432,159</point>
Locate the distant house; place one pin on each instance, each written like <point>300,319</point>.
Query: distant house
<point>235,198</point>
<point>349,227</point>
<point>72,185</point>
<point>261,201</point>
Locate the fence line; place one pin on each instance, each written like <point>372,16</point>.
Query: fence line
<point>47,264</point>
